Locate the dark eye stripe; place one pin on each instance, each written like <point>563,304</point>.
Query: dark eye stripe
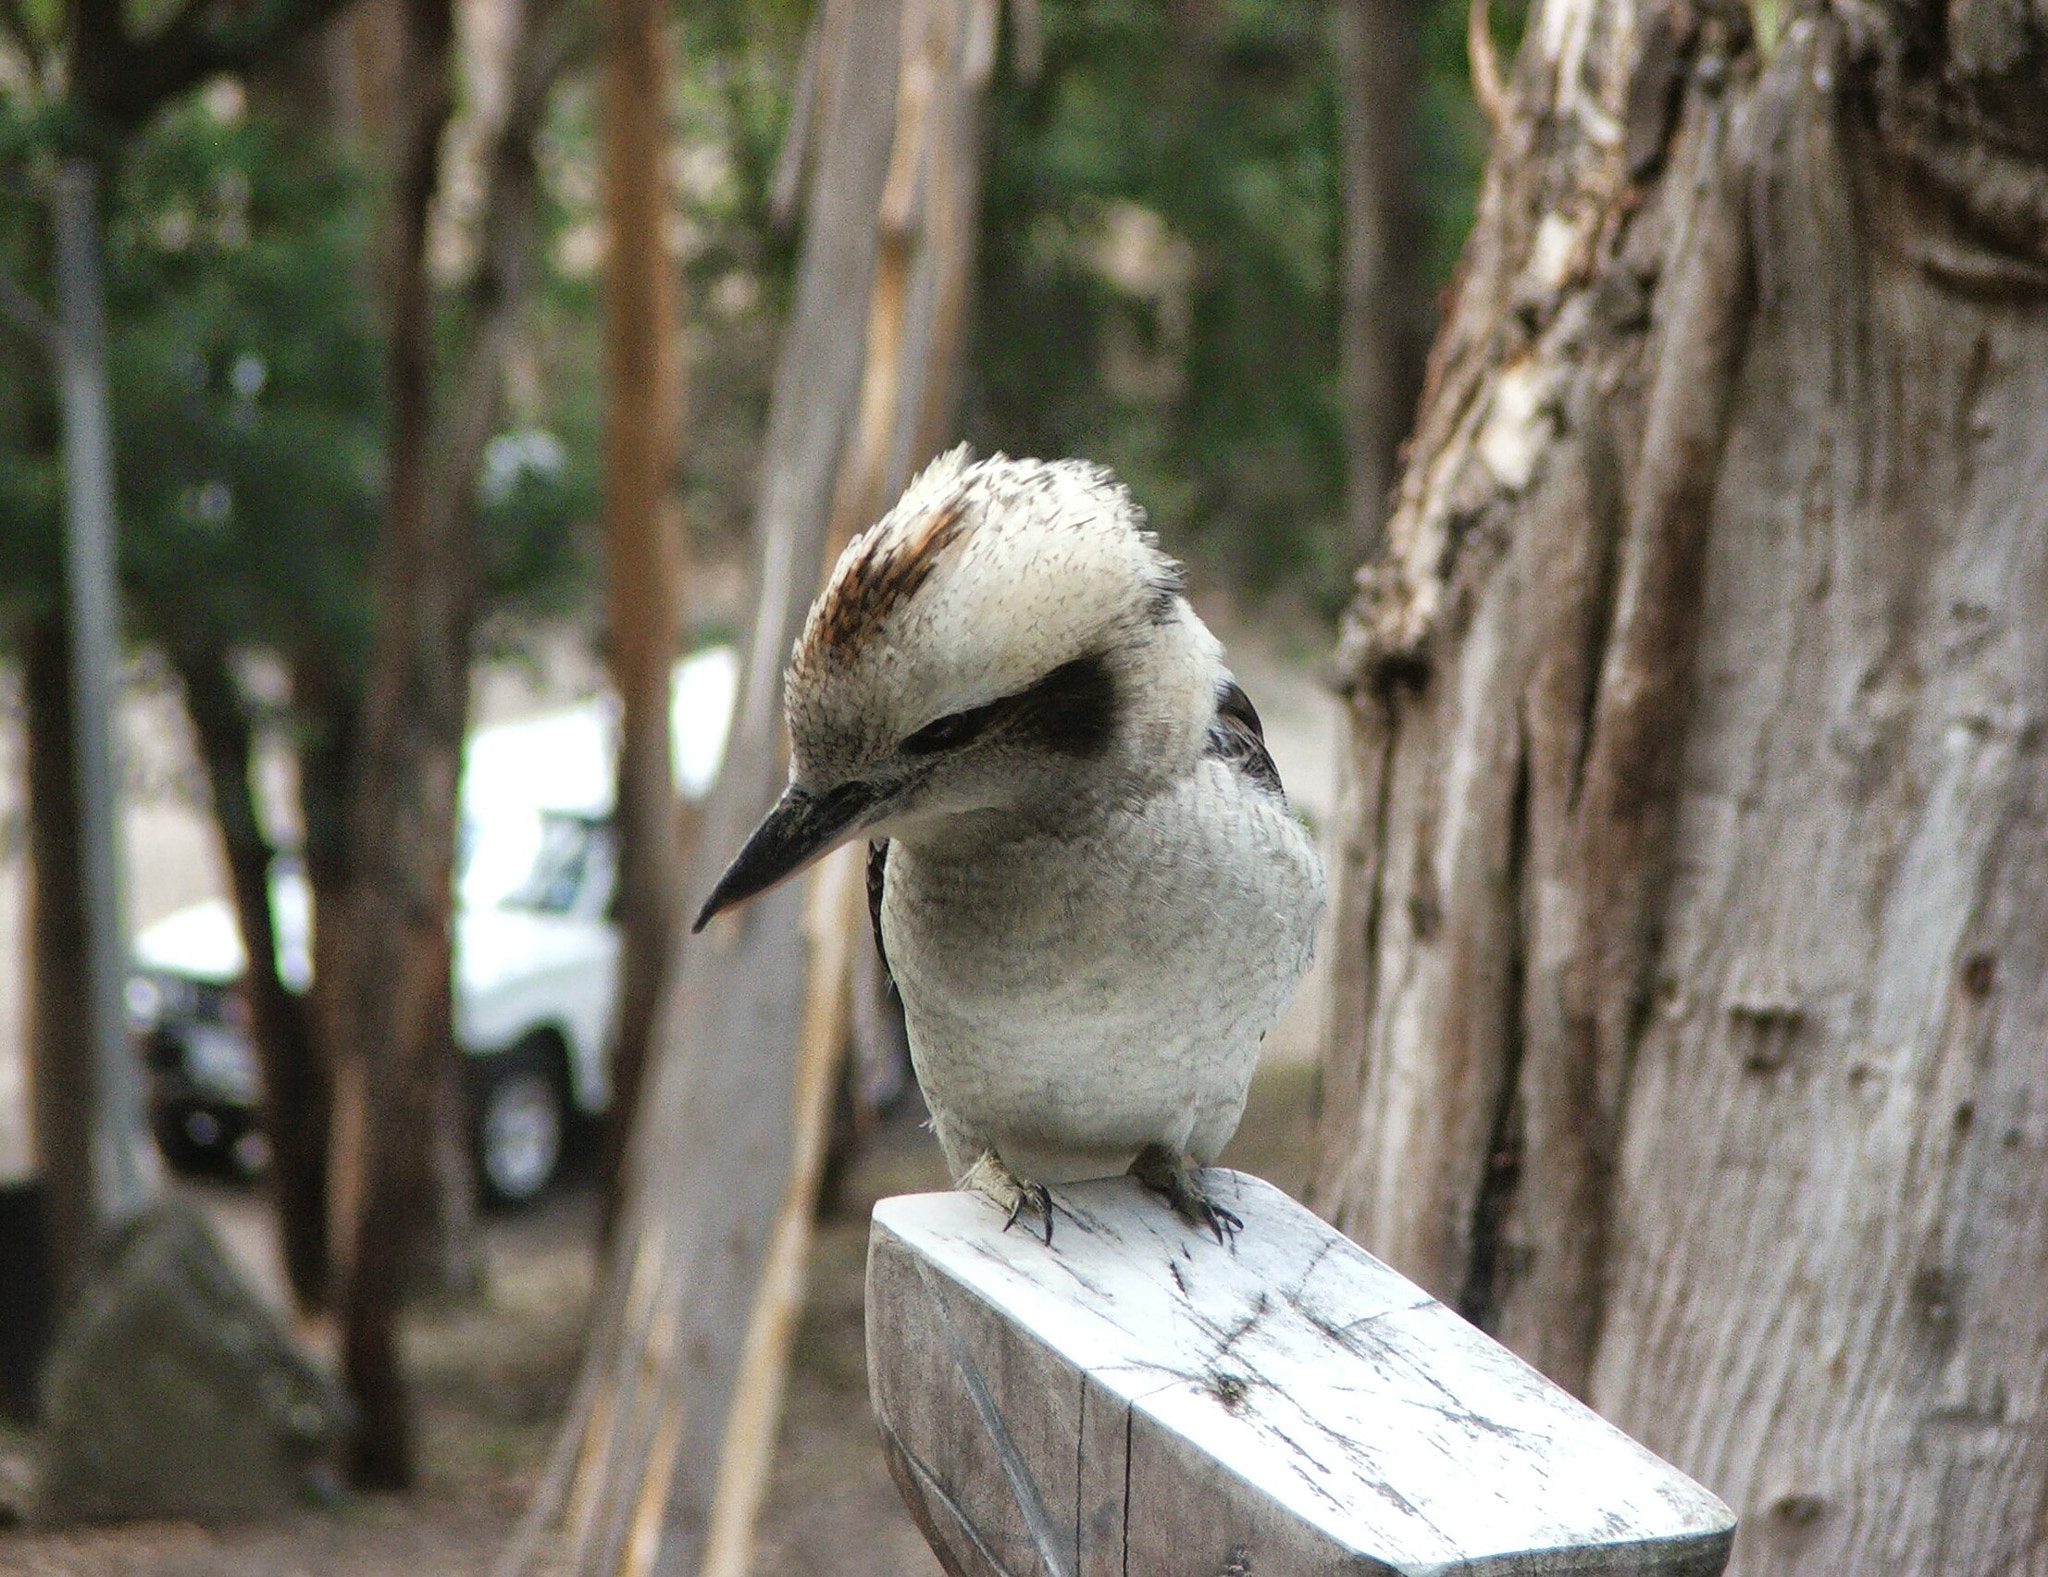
<point>1070,712</point>
<point>950,733</point>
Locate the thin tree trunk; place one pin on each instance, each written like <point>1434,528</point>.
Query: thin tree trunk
<point>1689,957</point>
<point>396,912</point>
<point>643,571</point>
<point>125,1168</point>
<point>60,1050</point>
<point>294,1105</point>
<point>327,709</point>
<point>1386,306</point>
<point>392,1046</point>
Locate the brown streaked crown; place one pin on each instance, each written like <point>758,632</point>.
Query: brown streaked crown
<point>885,572</point>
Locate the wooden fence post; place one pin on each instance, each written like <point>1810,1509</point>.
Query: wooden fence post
<point>1138,1400</point>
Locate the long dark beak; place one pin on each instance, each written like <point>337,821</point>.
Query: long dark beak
<point>800,828</point>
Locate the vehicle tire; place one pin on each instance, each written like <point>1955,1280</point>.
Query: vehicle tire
<point>520,1119</point>
<point>193,1140</point>
<point>180,1151</point>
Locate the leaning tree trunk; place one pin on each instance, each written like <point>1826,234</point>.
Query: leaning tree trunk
<point>1690,954</point>
<point>293,1082</point>
<point>664,1457</point>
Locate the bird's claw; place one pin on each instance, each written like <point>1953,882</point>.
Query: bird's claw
<point>994,1181</point>
<point>1220,1219</point>
<point>1039,1198</point>
<point>1170,1175</point>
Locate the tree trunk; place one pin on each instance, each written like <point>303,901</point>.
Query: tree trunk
<point>91,1136</point>
<point>294,1110</point>
<point>389,1012</point>
<point>662,1460</point>
<point>327,709</point>
<point>1386,299</point>
<point>643,422</point>
<point>1689,951</point>
<point>126,1173</point>
<point>59,1046</point>
<point>396,912</point>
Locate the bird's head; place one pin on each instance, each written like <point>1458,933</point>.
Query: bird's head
<point>1007,646</point>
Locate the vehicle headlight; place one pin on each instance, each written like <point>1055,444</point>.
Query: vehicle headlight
<point>145,1003</point>
<point>221,1061</point>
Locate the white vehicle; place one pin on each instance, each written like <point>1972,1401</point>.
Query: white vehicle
<point>536,953</point>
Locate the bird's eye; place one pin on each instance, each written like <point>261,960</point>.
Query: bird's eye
<point>949,733</point>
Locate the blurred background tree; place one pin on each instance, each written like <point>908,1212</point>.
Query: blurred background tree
<point>249,428</point>
<point>1158,287</point>
<point>1159,282</point>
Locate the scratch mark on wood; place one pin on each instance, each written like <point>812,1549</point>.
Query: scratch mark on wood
<point>1022,1486</point>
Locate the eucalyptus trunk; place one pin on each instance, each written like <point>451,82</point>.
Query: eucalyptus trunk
<point>664,1457</point>
<point>387,1011</point>
<point>384,1003</point>
<point>643,568</point>
<point>1385,284</point>
<point>1689,954</point>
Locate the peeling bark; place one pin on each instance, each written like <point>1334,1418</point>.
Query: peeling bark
<point>1681,962</point>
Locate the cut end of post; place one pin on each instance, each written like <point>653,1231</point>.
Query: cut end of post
<point>1139,1399</point>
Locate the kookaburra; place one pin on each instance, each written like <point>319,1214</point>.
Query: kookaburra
<point>1084,875</point>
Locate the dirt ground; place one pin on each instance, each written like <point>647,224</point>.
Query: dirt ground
<point>492,1378</point>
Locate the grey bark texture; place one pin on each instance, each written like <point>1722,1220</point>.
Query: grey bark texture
<point>1686,995</point>
<point>125,1174</point>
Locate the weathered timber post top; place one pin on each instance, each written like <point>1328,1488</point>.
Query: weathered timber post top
<point>1138,1400</point>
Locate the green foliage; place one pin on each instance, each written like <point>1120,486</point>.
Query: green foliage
<point>1156,271</point>
<point>1158,283</point>
<point>31,478</point>
<point>1157,289</point>
<point>246,365</point>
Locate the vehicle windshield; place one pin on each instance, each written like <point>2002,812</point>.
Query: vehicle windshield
<point>573,868</point>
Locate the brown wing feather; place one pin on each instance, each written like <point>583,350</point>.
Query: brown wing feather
<point>1238,738</point>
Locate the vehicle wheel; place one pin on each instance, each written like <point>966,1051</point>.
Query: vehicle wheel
<point>521,1120</point>
<point>193,1141</point>
<point>181,1152</point>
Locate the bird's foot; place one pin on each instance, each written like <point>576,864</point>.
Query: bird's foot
<point>1171,1175</point>
<point>995,1182</point>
